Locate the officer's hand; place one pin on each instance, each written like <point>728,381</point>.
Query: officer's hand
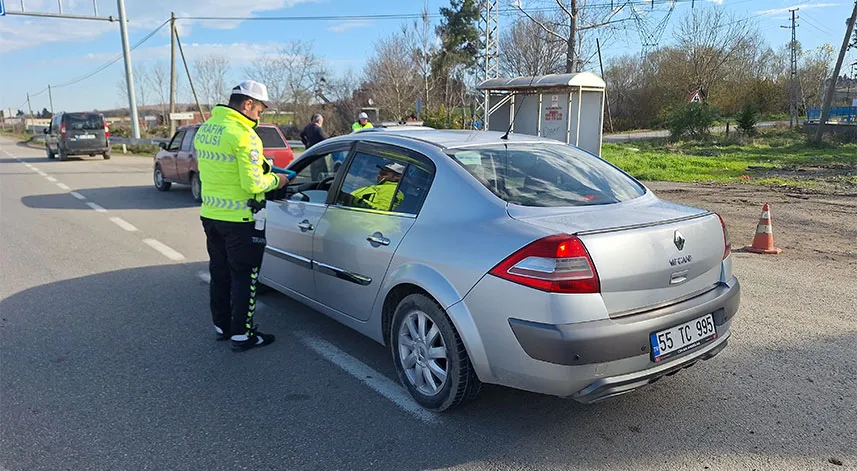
<point>284,180</point>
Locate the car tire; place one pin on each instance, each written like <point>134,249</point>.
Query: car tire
<point>63,156</point>
<point>160,183</point>
<point>429,356</point>
<point>51,155</point>
<point>196,187</point>
<point>106,155</point>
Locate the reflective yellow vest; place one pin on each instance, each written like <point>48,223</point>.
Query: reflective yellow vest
<point>382,196</point>
<point>356,126</point>
<point>229,154</point>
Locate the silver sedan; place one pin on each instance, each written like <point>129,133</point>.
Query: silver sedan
<point>520,261</point>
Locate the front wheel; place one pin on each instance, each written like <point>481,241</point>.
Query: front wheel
<point>160,183</point>
<point>430,357</point>
<point>196,187</point>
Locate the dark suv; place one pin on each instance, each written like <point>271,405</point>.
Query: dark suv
<point>77,134</point>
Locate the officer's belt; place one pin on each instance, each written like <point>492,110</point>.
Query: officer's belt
<point>224,203</point>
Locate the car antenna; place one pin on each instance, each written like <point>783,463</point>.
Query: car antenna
<point>505,137</point>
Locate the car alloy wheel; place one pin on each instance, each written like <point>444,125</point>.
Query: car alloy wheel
<point>196,187</point>
<point>422,353</point>
<point>160,183</point>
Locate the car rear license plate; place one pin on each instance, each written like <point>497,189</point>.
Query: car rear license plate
<point>86,136</point>
<point>683,337</point>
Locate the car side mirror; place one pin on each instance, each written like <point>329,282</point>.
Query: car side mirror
<point>162,145</point>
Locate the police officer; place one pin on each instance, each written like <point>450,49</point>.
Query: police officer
<point>361,123</point>
<point>235,177</point>
<point>383,196</point>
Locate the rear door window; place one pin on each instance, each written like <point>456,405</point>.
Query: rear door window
<point>271,138</point>
<point>187,142</point>
<point>547,175</point>
<point>84,122</point>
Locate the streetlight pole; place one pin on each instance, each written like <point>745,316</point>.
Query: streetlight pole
<point>129,73</point>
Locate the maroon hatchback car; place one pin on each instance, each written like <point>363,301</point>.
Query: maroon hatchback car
<point>176,161</point>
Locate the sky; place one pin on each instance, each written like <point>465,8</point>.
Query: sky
<point>37,52</point>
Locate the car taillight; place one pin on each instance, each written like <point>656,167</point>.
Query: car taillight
<point>62,130</point>
<point>727,243</point>
<point>106,131</point>
<point>557,264</point>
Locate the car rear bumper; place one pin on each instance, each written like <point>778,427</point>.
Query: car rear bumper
<point>591,359</point>
<point>85,147</point>
<point>614,339</point>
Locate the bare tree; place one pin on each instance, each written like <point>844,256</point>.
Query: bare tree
<point>576,19</point>
<point>714,43</point>
<point>291,75</point>
<point>422,43</point>
<point>390,72</point>
<point>159,82</point>
<point>527,49</point>
<point>813,70</point>
<point>210,78</point>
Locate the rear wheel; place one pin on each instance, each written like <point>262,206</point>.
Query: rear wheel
<point>196,187</point>
<point>430,357</point>
<point>160,183</point>
<point>106,155</point>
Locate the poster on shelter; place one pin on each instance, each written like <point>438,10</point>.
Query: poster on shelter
<point>554,116</point>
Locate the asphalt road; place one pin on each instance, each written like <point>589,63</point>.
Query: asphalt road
<point>108,361</point>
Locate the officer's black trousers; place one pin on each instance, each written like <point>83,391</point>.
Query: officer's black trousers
<point>235,250</point>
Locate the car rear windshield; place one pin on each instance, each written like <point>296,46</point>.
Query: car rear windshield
<point>270,137</point>
<point>82,121</point>
<point>547,175</point>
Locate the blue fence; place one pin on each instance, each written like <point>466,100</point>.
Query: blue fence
<point>842,114</point>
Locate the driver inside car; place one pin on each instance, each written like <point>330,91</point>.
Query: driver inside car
<point>382,196</point>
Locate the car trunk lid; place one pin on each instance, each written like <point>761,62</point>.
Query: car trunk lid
<point>647,252</point>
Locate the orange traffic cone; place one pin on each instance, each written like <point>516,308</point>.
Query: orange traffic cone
<point>763,242</point>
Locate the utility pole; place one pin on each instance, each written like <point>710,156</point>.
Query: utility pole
<point>29,107</point>
<point>129,73</point>
<point>831,89</point>
<point>51,98</point>
<point>488,24</point>
<point>172,71</point>
<point>793,87</point>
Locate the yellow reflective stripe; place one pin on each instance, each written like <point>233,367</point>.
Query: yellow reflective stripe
<point>224,203</point>
<point>214,156</point>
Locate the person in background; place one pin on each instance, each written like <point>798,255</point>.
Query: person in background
<point>313,133</point>
<point>362,122</point>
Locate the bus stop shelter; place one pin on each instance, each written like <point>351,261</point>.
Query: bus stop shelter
<point>565,107</point>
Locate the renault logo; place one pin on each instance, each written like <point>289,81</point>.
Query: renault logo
<point>678,240</point>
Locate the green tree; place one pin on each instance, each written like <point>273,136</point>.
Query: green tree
<point>748,118</point>
<point>460,44</point>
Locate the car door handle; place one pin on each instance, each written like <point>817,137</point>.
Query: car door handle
<point>305,225</point>
<point>378,239</point>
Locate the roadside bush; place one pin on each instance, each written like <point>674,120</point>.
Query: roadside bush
<point>693,120</point>
<point>748,118</point>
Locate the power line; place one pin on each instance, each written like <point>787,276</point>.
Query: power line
<point>114,60</point>
<point>810,21</point>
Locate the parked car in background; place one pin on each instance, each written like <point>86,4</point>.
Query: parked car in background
<point>517,261</point>
<point>77,134</point>
<point>176,161</point>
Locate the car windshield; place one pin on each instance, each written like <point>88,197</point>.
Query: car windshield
<point>547,175</point>
<point>84,121</point>
<point>270,137</point>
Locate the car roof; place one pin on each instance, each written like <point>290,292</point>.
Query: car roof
<point>451,139</point>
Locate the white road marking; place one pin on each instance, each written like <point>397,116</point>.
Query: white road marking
<point>52,179</point>
<point>78,195</point>
<point>165,250</point>
<point>377,381</point>
<point>124,224</point>
<point>96,207</point>
<point>41,173</point>
<point>356,368</point>
<point>63,186</point>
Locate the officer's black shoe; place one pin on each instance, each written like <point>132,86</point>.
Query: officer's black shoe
<point>223,336</point>
<point>254,339</point>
